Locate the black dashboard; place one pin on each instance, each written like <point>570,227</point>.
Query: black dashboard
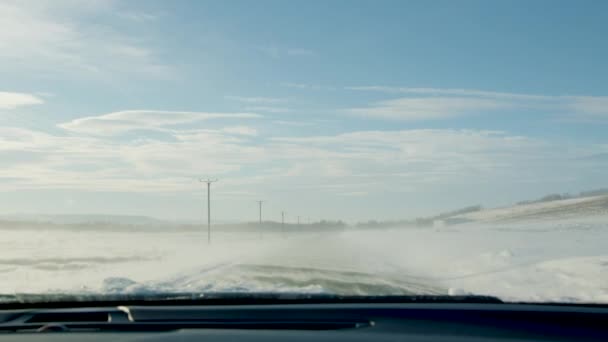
<point>309,322</point>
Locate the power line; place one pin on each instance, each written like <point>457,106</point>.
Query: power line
<point>208,181</point>
<point>261,232</point>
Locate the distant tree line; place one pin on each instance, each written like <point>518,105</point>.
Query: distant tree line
<point>451,217</point>
<point>557,197</point>
<point>422,221</point>
<point>274,225</point>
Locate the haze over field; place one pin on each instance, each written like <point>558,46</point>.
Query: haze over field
<point>534,258</point>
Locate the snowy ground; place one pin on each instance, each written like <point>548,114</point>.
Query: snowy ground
<point>542,261</point>
<point>549,210</point>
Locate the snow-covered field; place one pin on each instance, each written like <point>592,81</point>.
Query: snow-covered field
<point>541,261</point>
<point>549,210</point>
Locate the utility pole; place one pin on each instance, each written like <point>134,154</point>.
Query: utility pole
<point>260,221</point>
<point>283,221</point>
<point>298,220</point>
<point>260,203</point>
<point>208,181</point>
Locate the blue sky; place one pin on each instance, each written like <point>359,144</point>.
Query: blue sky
<point>343,109</point>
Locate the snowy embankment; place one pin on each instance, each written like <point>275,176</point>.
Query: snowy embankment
<point>540,261</point>
<point>551,210</point>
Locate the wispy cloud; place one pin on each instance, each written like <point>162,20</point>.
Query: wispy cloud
<point>422,160</point>
<point>451,92</point>
<point>12,100</point>
<point>240,130</point>
<point>137,16</point>
<point>595,107</point>
<point>438,103</point>
<point>261,104</point>
<point>123,121</point>
<point>59,36</point>
<point>256,100</point>
<point>307,86</point>
<point>267,109</point>
<point>292,123</point>
<point>427,108</point>
<point>279,52</point>
<point>143,165</point>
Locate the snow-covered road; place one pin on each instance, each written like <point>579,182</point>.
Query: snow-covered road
<point>565,261</point>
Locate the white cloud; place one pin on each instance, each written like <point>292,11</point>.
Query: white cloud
<point>12,138</point>
<point>594,106</point>
<point>100,163</point>
<point>241,130</point>
<point>408,145</point>
<point>348,164</point>
<point>258,100</point>
<point>451,92</point>
<point>427,108</point>
<point>267,109</point>
<point>123,121</point>
<point>423,160</point>
<point>292,123</point>
<point>261,104</point>
<point>138,16</point>
<point>67,36</point>
<point>438,103</point>
<point>307,86</point>
<point>11,100</point>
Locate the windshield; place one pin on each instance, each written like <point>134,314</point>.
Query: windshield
<point>354,148</point>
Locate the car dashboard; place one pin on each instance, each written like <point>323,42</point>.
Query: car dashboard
<point>306,322</point>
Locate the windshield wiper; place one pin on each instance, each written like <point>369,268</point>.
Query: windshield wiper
<point>219,298</point>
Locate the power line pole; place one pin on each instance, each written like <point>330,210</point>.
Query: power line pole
<point>298,220</point>
<point>260,218</point>
<point>208,181</point>
<point>283,221</point>
<point>260,203</point>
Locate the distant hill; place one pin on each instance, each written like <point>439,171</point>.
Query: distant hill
<point>542,210</point>
<point>148,224</point>
<point>557,197</point>
<point>85,219</point>
<point>590,203</point>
